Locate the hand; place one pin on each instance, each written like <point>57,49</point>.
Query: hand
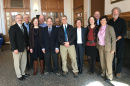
<point>43,50</point>
<point>66,44</point>
<point>57,50</point>
<point>27,47</point>
<point>16,51</point>
<point>112,52</point>
<point>118,38</point>
<point>31,50</point>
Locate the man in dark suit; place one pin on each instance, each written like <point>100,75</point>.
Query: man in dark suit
<point>19,42</point>
<point>80,43</point>
<point>66,37</point>
<point>58,24</point>
<point>50,47</point>
<point>27,25</point>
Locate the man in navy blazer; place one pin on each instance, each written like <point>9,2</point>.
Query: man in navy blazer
<point>50,47</point>
<point>80,43</point>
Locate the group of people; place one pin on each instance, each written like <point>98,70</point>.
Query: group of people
<point>41,41</point>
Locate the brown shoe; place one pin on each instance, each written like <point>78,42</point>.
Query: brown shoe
<point>35,67</point>
<point>41,65</point>
<point>118,75</point>
<point>76,75</point>
<point>64,74</point>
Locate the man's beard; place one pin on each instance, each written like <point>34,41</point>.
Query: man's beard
<point>115,16</point>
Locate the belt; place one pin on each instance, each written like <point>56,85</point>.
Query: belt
<point>91,42</point>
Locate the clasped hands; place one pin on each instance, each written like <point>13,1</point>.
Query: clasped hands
<point>66,44</point>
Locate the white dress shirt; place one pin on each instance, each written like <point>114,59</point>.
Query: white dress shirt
<point>79,36</point>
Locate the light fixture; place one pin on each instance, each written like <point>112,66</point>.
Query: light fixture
<point>35,7</point>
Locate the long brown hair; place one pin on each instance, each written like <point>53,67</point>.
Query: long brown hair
<point>95,21</point>
<point>32,25</point>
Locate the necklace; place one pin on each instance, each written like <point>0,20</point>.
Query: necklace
<point>36,33</point>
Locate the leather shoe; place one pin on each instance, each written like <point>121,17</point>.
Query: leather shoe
<point>64,74</point>
<point>108,80</point>
<point>21,78</point>
<point>118,75</point>
<point>26,75</point>
<point>80,71</point>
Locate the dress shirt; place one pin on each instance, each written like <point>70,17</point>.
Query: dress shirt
<point>79,36</point>
<point>101,35</point>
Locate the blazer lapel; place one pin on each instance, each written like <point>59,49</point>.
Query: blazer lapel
<point>106,32</point>
<point>52,31</point>
<point>63,30</point>
<point>19,28</point>
<point>82,32</point>
<point>47,31</point>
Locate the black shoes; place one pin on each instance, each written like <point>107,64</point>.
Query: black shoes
<point>107,80</point>
<point>21,78</point>
<point>80,71</point>
<point>26,75</point>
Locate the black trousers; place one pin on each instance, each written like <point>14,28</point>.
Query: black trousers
<point>119,55</point>
<point>80,55</point>
<point>47,58</point>
<point>29,60</point>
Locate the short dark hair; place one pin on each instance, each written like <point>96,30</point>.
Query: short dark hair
<point>50,18</point>
<point>95,21</point>
<point>64,16</point>
<point>78,19</point>
<point>104,17</point>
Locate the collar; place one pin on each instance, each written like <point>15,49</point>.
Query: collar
<point>26,23</point>
<point>50,27</point>
<point>19,25</point>
<point>57,26</point>
<point>65,25</point>
<point>103,27</point>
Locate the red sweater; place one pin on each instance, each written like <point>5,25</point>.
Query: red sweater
<point>91,37</point>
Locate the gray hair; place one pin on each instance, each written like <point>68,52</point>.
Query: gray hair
<point>18,15</point>
<point>119,10</point>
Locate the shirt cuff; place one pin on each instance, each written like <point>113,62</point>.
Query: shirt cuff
<point>57,48</point>
<point>43,48</point>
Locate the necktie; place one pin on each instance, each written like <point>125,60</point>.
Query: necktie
<point>65,33</point>
<point>49,31</point>
<point>22,29</point>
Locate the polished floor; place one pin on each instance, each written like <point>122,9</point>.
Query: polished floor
<point>8,77</point>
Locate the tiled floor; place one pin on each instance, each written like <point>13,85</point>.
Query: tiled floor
<point>8,77</point>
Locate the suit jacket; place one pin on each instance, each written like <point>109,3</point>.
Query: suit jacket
<point>83,33</point>
<point>18,39</point>
<point>70,34</point>
<point>50,42</point>
<point>31,37</point>
<point>110,39</point>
